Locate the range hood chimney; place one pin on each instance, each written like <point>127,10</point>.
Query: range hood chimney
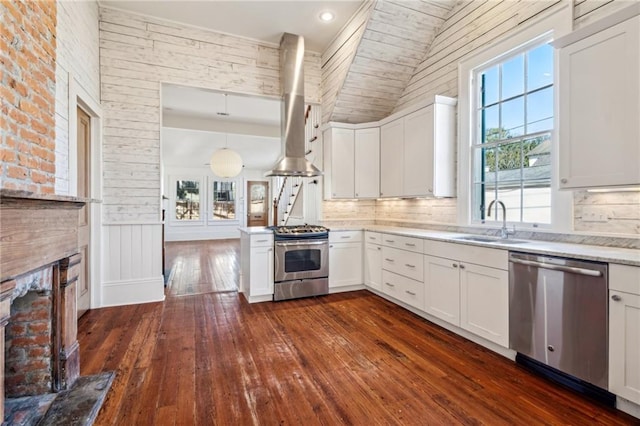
<point>293,162</point>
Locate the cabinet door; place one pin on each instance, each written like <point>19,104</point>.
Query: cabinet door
<point>345,264</point>
<point>342,160</point>
<point>373,266</point>
<point>367,163</point>
<point>418,153</point>
<point>599,108</point>
<point>442,289</point>
<point>624,345</point>
<point>484,302</point>
<point>391,158</point>
<point>261,275</point>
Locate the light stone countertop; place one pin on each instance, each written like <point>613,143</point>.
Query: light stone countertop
<point>623,256</point>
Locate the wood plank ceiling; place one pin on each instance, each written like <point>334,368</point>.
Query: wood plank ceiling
<point>390,45</point>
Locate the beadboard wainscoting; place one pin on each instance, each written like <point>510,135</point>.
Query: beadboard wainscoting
<point>132,263</point>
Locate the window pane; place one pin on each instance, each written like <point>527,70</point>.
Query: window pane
<point>540,110</point>
<point>539,67</point>
<point>490,86</point>
<point>513,77</point>
<point>537,158</point>
<point>224,200</point>
<point>491,124</point>
<point>513,117</point>
<point>187,200</point>
<point>537,203</point>
<point>510,196</point>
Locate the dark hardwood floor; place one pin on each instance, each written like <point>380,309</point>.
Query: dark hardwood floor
<point>203,266</point>
<point>351,358</point>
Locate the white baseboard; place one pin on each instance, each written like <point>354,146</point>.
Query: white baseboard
<point>131,292</point>
<point>628,407</point>
<point>346,288</point>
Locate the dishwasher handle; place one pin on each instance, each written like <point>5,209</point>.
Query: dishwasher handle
<point>554,267</point>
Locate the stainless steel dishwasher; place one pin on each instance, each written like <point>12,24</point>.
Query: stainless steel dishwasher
<point>558,318</point>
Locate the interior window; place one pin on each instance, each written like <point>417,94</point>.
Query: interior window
<point>187,200</point>
<point>224,200</point>
<point>511,147</point>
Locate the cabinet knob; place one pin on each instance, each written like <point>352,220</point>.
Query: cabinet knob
<point>379,248</point>
<point>461,266</point>
<point>564,180</point>
<point>455,265</point>
<point>356,194</point>
<point>551,348</point>
<point>616,298</point>
<point>429,190</point>
<point>331,246</point>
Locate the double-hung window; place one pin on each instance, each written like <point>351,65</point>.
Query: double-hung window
<point>511,146</point>
<point>507,144</point>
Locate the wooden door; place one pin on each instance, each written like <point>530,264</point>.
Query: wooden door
<point>257,203</point>
<point>84,215</point>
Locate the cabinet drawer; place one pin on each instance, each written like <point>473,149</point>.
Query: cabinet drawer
<point>373,237</point>
<point>465,253</point>
<point>624,278</point>
<point>405,289</point>
<point>403,262</point>
<point>405,243</point>
<point>261,240</point>
<point>345,236</point>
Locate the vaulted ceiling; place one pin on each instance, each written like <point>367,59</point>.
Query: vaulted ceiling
<point>367,68</point>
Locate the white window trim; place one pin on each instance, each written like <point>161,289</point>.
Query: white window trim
<point>558,23</point>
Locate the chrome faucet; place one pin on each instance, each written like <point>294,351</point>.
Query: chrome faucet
<point>504,232</point>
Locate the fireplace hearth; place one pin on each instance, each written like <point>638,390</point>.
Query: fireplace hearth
<point>39,268</point>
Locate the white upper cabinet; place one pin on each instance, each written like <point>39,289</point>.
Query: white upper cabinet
<point>417,152</point>
<point>599,98</point>
<point>391,158</point>
<point>367,163</point>
<point>339,159</point>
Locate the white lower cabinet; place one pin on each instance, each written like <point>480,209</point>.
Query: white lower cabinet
<point>345,258</point>
<point>442,289</point>
<point>484,302</point>
<point>624,331</point>
<point>372,261</point>
<point>461,290</point>
<point>404,289</point>
<point>256,269</point>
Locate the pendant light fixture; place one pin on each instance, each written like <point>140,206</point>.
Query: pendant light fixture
<point>225,162</point>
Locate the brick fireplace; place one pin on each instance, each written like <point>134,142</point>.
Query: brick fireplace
<point>38,274</point>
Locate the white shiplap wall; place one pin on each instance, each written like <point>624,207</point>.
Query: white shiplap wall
<point>473,25</point>
<point>138,54</point>
<point>77,56</point>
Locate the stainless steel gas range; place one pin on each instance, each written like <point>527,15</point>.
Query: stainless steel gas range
<point>301,261</point>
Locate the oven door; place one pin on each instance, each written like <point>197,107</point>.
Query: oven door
<point>299,259</point>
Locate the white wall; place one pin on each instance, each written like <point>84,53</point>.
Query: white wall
<point>138,54</point>
<point>77,50</point>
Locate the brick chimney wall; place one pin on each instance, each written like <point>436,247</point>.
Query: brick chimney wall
<point>27,93</point>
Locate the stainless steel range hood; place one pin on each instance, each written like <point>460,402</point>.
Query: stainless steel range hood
<point>293,162</point>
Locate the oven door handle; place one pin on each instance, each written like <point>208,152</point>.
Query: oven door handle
<point>299,243</point>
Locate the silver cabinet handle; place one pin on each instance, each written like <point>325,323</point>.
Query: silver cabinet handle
<point>564,180</point>
<point>616,298</point>
<point>389,260</point>
<point>261,241</point>
<point>390,241</point>
<point>554,267</point>
<point>345,237</point>
<point>372,238</point>
<point>410,244</point>
<point>270,249</point>
<point>331,246</point>
<point>408,265</point>
<point>410,292</point>
<point>389,284</point>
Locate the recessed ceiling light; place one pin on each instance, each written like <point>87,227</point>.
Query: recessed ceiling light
<point>327,16</point>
